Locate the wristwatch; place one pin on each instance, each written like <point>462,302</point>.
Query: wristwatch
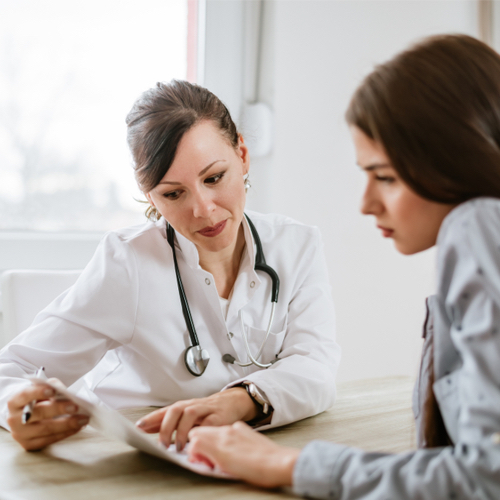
<point>262,403</point>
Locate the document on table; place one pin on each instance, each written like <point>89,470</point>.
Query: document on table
<point>112,424</point>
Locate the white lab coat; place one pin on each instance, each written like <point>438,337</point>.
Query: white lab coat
<point>121,325</point>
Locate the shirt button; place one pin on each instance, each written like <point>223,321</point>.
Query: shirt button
<point>252,284</point>
<point>207,281</point>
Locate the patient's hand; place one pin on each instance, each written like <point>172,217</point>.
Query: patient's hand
<point>51,420</point>
<point>222,408</point>
<point>244,453</point>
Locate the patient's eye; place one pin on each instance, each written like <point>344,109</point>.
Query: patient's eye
<point>387,179</point>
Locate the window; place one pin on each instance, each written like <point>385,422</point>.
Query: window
<point>69,73</point>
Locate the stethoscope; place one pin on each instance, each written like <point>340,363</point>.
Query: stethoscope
<point>196,358</point>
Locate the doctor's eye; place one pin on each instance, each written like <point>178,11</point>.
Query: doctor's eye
<point>214,179</point>
<point>172,195</point>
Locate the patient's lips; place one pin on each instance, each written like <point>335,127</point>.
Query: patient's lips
<point>386,232</point>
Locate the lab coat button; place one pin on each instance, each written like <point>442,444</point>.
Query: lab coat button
<point>230,335</point>
<point>207,281</point>
<point>252,284</point>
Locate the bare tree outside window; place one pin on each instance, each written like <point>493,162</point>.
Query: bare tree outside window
<point>69,73</point>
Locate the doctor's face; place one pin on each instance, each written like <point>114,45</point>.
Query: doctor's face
<point>203,195</point>
<point>410,220</point>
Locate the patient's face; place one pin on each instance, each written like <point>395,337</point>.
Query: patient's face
<point>410,220</point>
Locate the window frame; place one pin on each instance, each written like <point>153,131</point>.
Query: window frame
<point>219,49</point>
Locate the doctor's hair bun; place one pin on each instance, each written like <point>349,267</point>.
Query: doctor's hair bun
<point>435,108</point>
<point>159,119</point>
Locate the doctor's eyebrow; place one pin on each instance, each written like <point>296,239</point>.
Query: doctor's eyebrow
<point>199,175</point>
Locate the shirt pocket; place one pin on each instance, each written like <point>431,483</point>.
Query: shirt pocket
<point>272,347</point>
<point>446,392</point>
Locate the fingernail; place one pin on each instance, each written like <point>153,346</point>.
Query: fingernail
<point>48,392</point>
<point>140,423</point>
<point>70,408</point>
<point>178,447</point>
<point>83,421</point>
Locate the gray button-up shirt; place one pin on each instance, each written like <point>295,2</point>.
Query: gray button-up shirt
<point>464,326</point>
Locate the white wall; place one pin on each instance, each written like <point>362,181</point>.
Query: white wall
<point>316,53</point>
<point>322,50</point>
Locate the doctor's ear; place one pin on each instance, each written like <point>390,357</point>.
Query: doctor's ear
<point>242,152</point>
<point>148,196</point>
<point>152,212</point>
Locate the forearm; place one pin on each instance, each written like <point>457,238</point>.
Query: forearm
<point>333,471</point>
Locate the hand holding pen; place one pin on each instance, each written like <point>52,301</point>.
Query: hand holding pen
<point>28,408</point>
<point>38,417</point>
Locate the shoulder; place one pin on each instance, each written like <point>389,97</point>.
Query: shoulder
<point>469,242</point>
<point>134,236</point>
<point>272,226</point>
<point>479,216</point>
<point>474,222</point>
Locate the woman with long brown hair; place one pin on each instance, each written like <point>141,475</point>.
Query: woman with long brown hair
<point>426,129</point>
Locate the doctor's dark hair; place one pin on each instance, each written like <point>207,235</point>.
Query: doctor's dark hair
<point>436,110</point>
<point>159,119</point>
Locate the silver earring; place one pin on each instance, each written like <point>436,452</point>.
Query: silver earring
<point>247,183</point>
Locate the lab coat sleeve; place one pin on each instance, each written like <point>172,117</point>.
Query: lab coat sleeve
<point>73,333</point>
<point>469,396</point>
<point>302,382</point>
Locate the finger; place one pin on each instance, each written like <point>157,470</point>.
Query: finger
<point>201,459</point>
<point>41,442</point>
<point>46,428</point>
<point>152,421</point>
<point>202,444</point>
<point>32,393</point>
<point>191,416</point>
<point>52,408</point>
<point>170,422</point>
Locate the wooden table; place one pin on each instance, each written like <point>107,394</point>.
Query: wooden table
<point>373,414</point>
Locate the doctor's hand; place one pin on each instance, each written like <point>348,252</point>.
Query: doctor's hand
<point>221,408</point>
<point>51,420</point>
<point>244,453</point>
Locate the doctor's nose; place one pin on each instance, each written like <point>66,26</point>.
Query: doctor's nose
<point>203,205</point>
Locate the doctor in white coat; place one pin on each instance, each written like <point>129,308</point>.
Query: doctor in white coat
<point>120,331</point>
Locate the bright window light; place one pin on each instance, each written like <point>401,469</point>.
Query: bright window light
<point>69,73</point>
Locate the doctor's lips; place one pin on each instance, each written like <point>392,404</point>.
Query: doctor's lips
<point>212,231</point>
<point>386,232</point>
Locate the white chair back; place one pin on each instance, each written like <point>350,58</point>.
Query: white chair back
<point>25,293</point>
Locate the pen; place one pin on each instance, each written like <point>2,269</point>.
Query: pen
<point>28,409</point>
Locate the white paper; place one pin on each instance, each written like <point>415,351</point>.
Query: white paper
<point>112,424</point>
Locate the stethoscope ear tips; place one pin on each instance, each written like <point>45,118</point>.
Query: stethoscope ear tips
<point>228,358</point>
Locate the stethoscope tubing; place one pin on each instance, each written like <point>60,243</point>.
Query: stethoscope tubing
<point>186,311</point>
<point>260,265</point>
<point>254,361</point>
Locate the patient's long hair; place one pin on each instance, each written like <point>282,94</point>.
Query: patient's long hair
<point>436,110</point>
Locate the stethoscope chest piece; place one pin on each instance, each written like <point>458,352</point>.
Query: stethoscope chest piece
<point>196,360</point>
